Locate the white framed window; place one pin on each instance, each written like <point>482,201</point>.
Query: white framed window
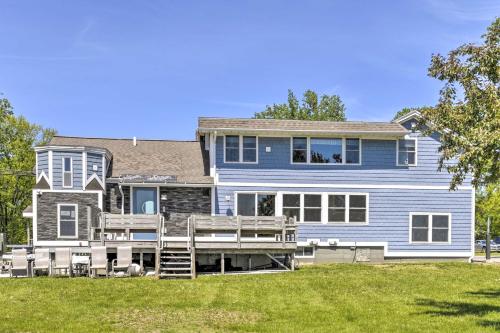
<point>67,221</point>
<point>325,151</point>
<point>305,252</point>
<point>67,167</point>
<point>406,152</point>
<point>241,149</point>
<point>325,207</point>
<point>430,228</point>
<point>255,204</point>
<point>348,208</point>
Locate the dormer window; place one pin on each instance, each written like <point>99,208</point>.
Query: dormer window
<point>407,152</point>
<point>67,172</point>
<point>240,149</point>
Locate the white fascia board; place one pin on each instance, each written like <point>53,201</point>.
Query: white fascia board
<point>356,186</point>
<point>61,243</point>
<point>281,133</point>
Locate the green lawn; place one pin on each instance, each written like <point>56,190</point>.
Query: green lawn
<point>452,297</point>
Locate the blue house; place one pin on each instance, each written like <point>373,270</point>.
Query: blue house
<point>251,193</point>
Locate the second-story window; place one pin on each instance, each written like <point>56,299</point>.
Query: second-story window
<point>240,149</point>
<point>407,152</point>
<point>326,150</point>
<point>67,172</point>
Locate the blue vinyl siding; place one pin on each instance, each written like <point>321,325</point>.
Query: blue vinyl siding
<point>94,159</point>
<point>378,165</point>
<point>389,211</point>
<point>57,157</point>
<point>43,163</point>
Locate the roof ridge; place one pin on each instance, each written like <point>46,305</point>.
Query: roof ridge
<point>300,120</point>
<point>116,139</point>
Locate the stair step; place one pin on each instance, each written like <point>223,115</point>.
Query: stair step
<point>177,263</point>
<point>175,252</point>
<point>175,257</point>
<point>175,275</point>
<point>175,268</point>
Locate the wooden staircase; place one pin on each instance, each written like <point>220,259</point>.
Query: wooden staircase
<point>176,262</point>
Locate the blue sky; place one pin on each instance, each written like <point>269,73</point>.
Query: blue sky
<point>150,68</point>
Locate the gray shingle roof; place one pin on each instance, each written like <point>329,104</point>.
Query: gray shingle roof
<point>187,160</point>
<point>334,127</point>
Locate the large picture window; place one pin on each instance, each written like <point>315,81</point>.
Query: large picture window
<point>256,204</point>
<point>347,208</point>
<point>430,227</point>
<point>407,152</point>
<point>67,172</point>
<point>326,150</point>
<point>67,221</point>
<point>240,149</point>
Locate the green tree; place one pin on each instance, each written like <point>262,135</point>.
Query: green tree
<point>468,112</point>
<point>405,111</point>
<point>327,107</point>
<point>488,205</point>
<point>17,161</point>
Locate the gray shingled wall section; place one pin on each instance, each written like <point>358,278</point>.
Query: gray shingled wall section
<point>180,204</point>
<point>47,213</point>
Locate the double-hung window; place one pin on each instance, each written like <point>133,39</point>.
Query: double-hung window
<point>291,206</point>
<point>240,149</point>
<point>304,252</point>
<point>347,208</point>
<point>407,152</point>
<point>67,172</point>
<point>429,228</point>
<point>312,207</point>
<point>67,220</point>
<point>256,204</point>
<point>326,150</point>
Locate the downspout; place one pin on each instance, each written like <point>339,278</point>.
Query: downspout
<point>123,198</point>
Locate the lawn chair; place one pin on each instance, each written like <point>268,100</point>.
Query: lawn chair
<point>63,260</point>
<point>123,260</point>
<point>42,261</point>
<point>98,260</point>
<point>19,262</point>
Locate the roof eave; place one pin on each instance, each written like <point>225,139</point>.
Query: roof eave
<point>402,132</point>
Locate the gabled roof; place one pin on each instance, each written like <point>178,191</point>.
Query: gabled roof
<point>186,160</point>
<point>279,125</point>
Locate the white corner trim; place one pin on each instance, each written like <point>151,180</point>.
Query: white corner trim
<point>473,223</point>
<point>51,169</point>
<point>34,202</point>
<point>84,167</point>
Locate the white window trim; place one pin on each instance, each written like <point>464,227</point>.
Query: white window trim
<point>255,193</point>
<point>59,220</point>
<point>429,235</point>
<point>308,151</point>
<point>240,150</point>
<point>416,152</point>
<point>304,256</point>
<point>63,171</point>
<point>324,207</point>
<point>348,207</point>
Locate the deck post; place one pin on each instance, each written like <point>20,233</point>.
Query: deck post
<point>141,260</point>
<point>292,261</point>
<point>157,261</point>
<point>222,263</point>
<point>249,262</point>
<point>238,231</point>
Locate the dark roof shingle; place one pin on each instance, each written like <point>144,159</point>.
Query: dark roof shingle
<point>187,160</point>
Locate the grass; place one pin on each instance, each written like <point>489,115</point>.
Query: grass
<point>448,297</point>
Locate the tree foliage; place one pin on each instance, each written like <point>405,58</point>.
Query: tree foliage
<point>327,107</point>
<point>17,161</point>
<point>488,205</point>
<point>468,112</point>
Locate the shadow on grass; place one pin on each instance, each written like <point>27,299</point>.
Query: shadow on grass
<point>448,308</point>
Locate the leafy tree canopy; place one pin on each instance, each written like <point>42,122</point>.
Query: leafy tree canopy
<point>327,107</point>
<point>17,161</point>
<point>488,205</point>
<point>468,112</point>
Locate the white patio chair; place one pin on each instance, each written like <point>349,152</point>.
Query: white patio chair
<point>42,261</point>
<point>123,260</point>
<point>63,260</point>
<point>19,262</point>
<point>98,260</point>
